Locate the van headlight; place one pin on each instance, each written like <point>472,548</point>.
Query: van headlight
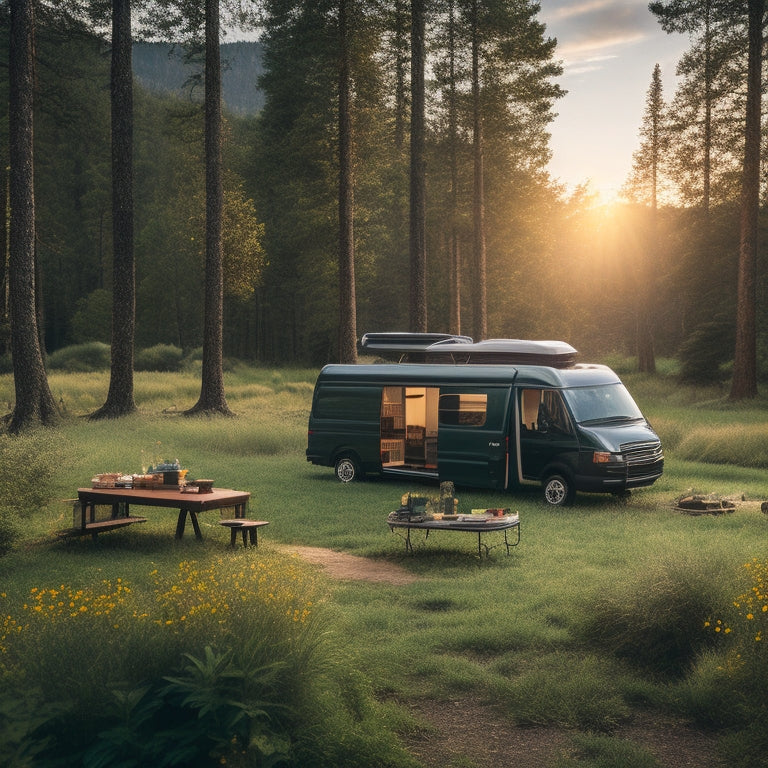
<point>606,457</point>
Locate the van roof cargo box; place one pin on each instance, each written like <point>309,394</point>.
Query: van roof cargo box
<point>456,349</point>
<point>556,354</point>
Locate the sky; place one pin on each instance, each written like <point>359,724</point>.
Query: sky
<point>608,49</point>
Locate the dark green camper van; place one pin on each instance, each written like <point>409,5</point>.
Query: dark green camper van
<point>489,424</point>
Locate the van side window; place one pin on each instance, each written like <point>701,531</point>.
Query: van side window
<point>463,410</point>
<point>543,410</point>
<point>347,403</point>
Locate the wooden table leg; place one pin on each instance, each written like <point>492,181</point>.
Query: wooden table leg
<point>180,524</point>
<point>195,525</point>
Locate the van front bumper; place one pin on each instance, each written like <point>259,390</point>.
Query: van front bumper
<point>620,478</point>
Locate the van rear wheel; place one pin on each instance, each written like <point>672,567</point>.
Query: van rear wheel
<point>558,491</point>
<point>347,469</point>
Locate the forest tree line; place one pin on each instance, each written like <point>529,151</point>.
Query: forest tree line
<point>661,270</point>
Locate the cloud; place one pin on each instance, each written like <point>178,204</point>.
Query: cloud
<point>591,29</point>
<point>569,10</point>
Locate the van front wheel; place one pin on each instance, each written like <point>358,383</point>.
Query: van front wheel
<point>558,491</point>
<point>347,469</point>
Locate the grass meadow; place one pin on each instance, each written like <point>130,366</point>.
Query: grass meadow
<point>607,609</point>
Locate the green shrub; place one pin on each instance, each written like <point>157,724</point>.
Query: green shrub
<point>161,357</point>
<point>27,465</point>
<point>607,752</point>
<point>656,620</point>
<point>79,358</point>
<point>728,687</point>
<point>567,691</point>
<point>712,695</point>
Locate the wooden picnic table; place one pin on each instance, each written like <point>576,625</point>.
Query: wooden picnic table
<point>188,502</point>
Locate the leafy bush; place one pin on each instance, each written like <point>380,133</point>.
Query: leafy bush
<point>27,465</point>
<point>161,357</point>
<point>728,688</point>
<point>656,622</point>
<point>80,358</point>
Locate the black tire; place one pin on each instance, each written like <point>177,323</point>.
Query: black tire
<point>558,490</point>
<point>347,469</point>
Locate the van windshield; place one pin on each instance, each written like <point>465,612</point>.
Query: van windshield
<point>609,402</point>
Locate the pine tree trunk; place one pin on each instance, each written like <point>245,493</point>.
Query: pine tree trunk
<point>478,206</point>
<point>347,304</point>
<point>212,398</point>
<point>454,252</point>
<point>120,400</point>
<point>744,383</point>
<point>418,224</point>
<point>5,338</point>
<point>34,402</point>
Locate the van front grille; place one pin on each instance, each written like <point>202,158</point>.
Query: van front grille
<point>642,457</point>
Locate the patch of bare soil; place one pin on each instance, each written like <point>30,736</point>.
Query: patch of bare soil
<point>340,565</point>
<point>467,732</point>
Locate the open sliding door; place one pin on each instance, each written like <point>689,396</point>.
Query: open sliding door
<point>472,436</point>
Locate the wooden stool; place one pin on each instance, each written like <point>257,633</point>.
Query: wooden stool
<point>249,529</point>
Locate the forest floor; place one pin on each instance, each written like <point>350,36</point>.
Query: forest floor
<point>469,732</point>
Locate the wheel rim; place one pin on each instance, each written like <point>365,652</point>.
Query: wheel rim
<point>555,491</point>
<point>345,470</point>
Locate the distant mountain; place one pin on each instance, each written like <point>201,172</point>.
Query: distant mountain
<point>161,68</point>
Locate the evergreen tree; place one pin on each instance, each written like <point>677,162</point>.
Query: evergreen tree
<point>708,104</point>
<point>644,185</point>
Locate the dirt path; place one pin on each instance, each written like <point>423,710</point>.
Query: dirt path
<point>340,565</point>
<point>469,732</point>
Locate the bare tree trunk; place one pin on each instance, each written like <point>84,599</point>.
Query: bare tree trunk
<point>454,254</point>
<point>5,211</point>
<point>478,207</point>
<point>418,224</point>
<point>347,303</point>
<point>34,402</point>
<point>744,383</point>
<point>212,399</point>
<point>120,400</point>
